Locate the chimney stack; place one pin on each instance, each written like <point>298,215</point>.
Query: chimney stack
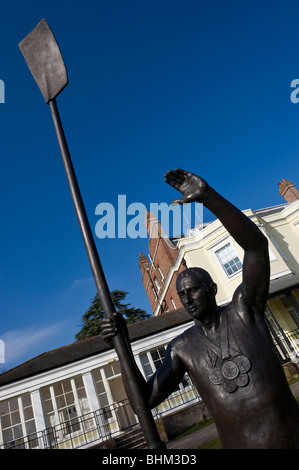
<point>288,191</point>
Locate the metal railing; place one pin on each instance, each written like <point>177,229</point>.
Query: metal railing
<point>112,420</point>
<point>96,426</point>
<point>287,344</point>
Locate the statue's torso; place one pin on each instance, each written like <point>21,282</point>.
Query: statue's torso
<point>249,398</point>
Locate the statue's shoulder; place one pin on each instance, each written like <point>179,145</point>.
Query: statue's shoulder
<point>181,338</point>
<point>240,309</point>
<point>248,306</point>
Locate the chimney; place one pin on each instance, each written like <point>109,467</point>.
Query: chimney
<point>288,191</point>
<point>153,226</point>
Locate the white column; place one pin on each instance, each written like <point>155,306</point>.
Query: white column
<point>38,414</point>
<point>93,398</point>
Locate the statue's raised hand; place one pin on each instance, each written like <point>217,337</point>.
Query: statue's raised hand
<point>193,187</point>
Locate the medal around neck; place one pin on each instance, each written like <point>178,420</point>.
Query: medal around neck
<point>228,367</point>
<point>232,373</point>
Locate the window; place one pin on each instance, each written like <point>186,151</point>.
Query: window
<point>100,376</point>
<point>102,393</point>
<point>157,284</point>
<point>64,402</point>
<point>17,421</point>
<point>150,362</point>
<point>229,259</point>
<point>154,292</point>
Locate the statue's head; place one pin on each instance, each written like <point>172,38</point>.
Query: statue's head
<point>197,292</point>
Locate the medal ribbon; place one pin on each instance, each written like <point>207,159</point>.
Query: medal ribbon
<point>227,345</point>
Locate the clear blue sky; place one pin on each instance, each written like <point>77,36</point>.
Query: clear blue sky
<point>153,85</point>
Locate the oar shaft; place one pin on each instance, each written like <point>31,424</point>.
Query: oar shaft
<point>88,239</point>
<point>123,351</point>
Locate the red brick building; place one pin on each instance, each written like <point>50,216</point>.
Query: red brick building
<point>154,270</point>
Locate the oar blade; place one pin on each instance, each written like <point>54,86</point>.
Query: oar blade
<point>44,59</point>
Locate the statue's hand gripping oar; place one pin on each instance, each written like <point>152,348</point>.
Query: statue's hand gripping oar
<point>43,57</point>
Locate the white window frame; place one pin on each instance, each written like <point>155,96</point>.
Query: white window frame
<point>219,246</point>
<point>150,359</point>
<point>22,422</point>
<point>55,415</point>
<point>182,388</point>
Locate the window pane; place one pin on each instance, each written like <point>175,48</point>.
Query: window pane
<point>30,427</point>
<point>81,393</point>
<point>155,355</point>
<point>15,417</point>
<point>48,406</point>
<point>4,407</point>
<point>116,368</point>
<point>7,435</point>
<point>79,382</point>
<point>33,441</point>
<point>57,389</point>
<point>69,397</point>
<point>147,368</point>
<point>26,400</point>
<point>162,352</point>
<point>67,387</point>
<point>103,400</point>
<point>60,402</point>
<point>13,404</point>
<point>46,393</point>
<point>28,413</point>
<point>229,260</point>
<point>108,370</point>
<point>17,431</point>
<point>100,387</point>
<point>97,375</point>
<point>5,421</point>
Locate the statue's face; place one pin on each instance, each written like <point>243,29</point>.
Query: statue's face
<point>196,296</point>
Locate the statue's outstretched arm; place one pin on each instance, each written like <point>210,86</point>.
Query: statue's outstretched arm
<point>255,285</point>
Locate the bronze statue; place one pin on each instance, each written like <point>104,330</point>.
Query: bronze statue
<point>228,353</point>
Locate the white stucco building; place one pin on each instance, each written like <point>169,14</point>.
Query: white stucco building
<point>74,396</point>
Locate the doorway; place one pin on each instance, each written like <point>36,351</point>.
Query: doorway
<point>125,415</point>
